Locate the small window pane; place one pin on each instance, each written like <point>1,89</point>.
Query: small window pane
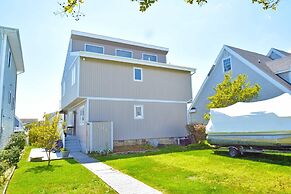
<point>138,74</point>
<point>94,49</point>
<point>9,58</point>
<point>138,112</point>
<point>148,57</point>
<point>123,53</point>
<point>82,116</point>
<point>226,64</point>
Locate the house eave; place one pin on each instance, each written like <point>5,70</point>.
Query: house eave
<point>128,42</point>
<point>131,61</point>
<point>15,43</point>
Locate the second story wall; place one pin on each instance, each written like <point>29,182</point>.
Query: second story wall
<point>78,44</point>
<point>100,78</point>
<point>70,82</point>
<point>8,97</point>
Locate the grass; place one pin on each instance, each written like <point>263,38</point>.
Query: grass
<point>63,176</point>
<point>194,170</point>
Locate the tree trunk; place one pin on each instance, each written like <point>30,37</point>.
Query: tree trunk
<point>49,157</point>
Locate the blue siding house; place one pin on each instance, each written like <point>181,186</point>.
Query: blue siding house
<point>11,65</point>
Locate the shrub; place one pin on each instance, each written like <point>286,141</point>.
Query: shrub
<point>196,132</point>
<point>3,167</point>
<point>11,156</point>
<point>33,133</point>
<point>16,139</point>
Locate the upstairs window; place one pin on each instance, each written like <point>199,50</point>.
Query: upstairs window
<point>137,74</point>
<point>73,75</point>
<point>94,48</point>
<point>149,57</point>
<point>9,97</point>
<point>123,53</point>
<point>9,58</point>
<point>138,112</point>
<point>226,64</point>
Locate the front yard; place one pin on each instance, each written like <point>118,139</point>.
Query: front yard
<point>64,176</point>
<point>180,170</point>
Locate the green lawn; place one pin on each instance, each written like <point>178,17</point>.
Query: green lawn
<point>180,170</point>
<point>64,176</point>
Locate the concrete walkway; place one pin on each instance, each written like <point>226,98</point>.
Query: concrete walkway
<point>120,182</point>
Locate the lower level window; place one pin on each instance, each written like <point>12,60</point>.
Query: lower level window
<point>138,111</point>
<point>82,116</point>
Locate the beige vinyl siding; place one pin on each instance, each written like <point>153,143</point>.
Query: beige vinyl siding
<point>268,89</point>
<point>160,119</point>
<point>78,44</point>
<point>100,78</point>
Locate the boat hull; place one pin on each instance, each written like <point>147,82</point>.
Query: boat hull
<point>261,139</point>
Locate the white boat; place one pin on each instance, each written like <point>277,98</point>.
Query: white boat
<point>261,124</point>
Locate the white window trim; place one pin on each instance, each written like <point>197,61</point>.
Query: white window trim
<point>142,115</point>
<point>73,73</point>
<point>94,45</point>
<point>222,61</point>
<point>120,49</point>
<point>137,80</point>
<point>82,108</point>
<point>149,54</point>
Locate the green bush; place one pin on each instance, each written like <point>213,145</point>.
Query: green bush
<point>16,140</point>
<point>3,167</point>
<point>196,132</point>
<point>10,156</point>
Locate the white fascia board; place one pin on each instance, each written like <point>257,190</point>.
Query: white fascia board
<point>14,40</point>
<point>131,61</point>
<point>128,42</point>
<point>275,51</point>
<point>259,71</point>
<point>134,100</point>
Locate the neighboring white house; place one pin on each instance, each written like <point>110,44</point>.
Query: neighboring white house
<point>272,72</point>
<point>11,65</point>
<point>125,86</point>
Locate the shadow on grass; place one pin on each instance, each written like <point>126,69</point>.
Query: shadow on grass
<point>161,150</point>
<point>70,160</point>
<point>270,158</point>
<point>44,168</point>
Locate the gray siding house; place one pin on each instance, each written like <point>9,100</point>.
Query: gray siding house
<point>272,72</point>
<point>126,83</point>
<point>11,65</point>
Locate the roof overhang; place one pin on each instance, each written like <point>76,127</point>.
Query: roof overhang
<point>131,61</point>
<point>128,42</point>
<point>15,44</point>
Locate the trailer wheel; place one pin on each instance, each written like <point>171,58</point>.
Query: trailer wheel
<point>233,152</point>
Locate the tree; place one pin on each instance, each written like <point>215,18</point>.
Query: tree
<point>229,92</point>
<point>72,7</point>
<point>46,133</point>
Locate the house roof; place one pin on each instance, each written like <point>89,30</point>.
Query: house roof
<point>280,65</point>
<point>130,60</point>
<point>14,40</point>
<point>111,39</point>
<point>260,61</point>
<point>283,52</point>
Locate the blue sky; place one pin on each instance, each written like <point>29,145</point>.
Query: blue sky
<point>193,34</point>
